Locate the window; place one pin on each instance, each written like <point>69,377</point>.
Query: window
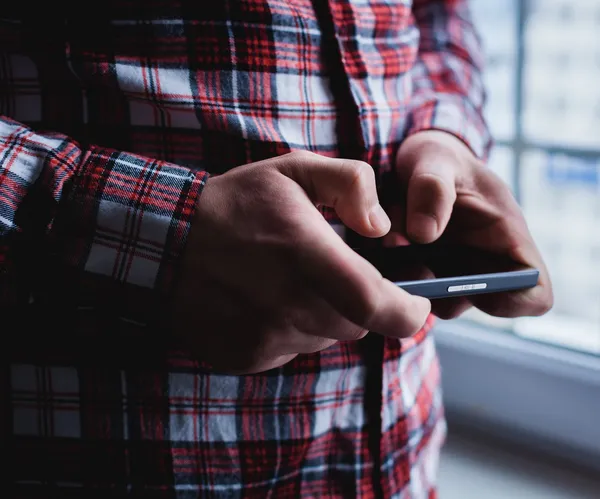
<point>543,61</point>
<point>543,80</point>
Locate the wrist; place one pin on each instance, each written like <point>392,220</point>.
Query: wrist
<point>439,145</point>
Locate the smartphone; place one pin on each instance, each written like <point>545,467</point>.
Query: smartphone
<point>438,270</point>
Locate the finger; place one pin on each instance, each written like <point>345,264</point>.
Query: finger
<point>314,320</point>
<point>354,288</point>
<point>528,302</point>
<point>534,301</point>
<point>447,308</point>
<point>230,340</point>
<point>430,197</point>
<point>450,308</point>
<point>394,239</point>
<point>284,340</point>
<point>313,344</point>
<point>414,271</point>
<point>347,186</point>
<point>521,247</point>
<point>396,236</point>
<point>501,227</point>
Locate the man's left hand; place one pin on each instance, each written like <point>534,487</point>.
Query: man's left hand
<point>449,192</point>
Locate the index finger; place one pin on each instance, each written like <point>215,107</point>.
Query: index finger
<point>534,301</point>
<point>355,288</point>
<point>502,228</point>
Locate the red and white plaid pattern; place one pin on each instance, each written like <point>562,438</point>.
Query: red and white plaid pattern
<point>110,127</point>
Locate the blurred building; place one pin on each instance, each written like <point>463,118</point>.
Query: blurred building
<point>543,80</point>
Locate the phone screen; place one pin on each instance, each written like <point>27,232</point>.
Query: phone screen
<point>452,268</point>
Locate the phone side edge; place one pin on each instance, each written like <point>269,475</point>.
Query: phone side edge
<point>495,283</point>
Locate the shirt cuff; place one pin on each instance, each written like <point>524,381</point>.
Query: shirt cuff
<point>456,115</point>
<point>121,229</point>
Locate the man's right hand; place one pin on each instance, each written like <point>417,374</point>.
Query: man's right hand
<point>265,277</point>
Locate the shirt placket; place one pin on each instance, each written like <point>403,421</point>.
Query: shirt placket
<point>341,54</point>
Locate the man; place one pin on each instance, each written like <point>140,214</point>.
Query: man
<point>183,318</point>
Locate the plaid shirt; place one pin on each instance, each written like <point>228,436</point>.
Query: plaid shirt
<point>110,126</point>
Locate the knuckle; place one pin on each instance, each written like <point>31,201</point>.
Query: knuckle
<point>503,188</point>
<point>435,180</point>
<point>475,163</point>
<point>269,347</point>
<point>318,345</point>
<point>357,333</point>
<point>347,330</point>
<point>300,156</point>
<point>495,183</point>
<point>433,185</point>
<point>367,305</point>
<point>359,172</point>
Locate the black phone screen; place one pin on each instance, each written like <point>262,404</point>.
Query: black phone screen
<point>439,270</point>
<point>414,262</point>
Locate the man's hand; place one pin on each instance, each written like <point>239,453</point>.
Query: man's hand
<point>450,194</point>
<point>265,277</point>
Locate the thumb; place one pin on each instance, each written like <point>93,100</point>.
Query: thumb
<point>347,186</point>
<point>430,197</point>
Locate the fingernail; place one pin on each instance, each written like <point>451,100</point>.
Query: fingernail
<point>423,227</point>
<point>379,219</point>
<point>393,240</point>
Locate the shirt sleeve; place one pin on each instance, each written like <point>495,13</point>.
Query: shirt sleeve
<point>448,91</point>
<point>92,226</point>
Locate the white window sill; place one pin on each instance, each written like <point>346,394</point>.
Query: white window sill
<point>536,395</point>
<point>472,468</point>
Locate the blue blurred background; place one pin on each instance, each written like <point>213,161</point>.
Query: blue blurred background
<point>543,80</point>
<point>523,396</point>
